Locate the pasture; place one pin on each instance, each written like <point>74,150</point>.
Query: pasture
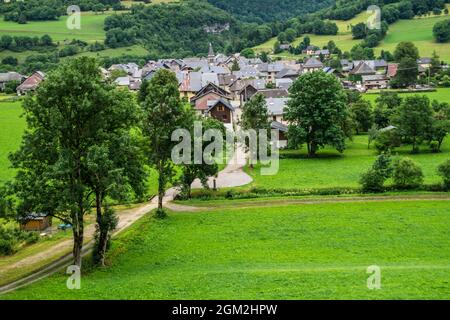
<point>422,37</point>
<point>12,127</point>
<point>332,169</point>
<point>288,251</point>
<point>91,28</point>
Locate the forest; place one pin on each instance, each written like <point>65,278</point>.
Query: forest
<point>269,10</point>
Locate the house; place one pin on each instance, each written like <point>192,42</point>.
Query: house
<point>248,87</point>
<point>209,92</point>
<point>322,53</point>
<point>275,108</point>
<point>424,63</point>
<point>310,50</point>
<point>35,222</point>
<point>312,65</point>
<point>288,73</point>
<point>274,93</point>
<point>282,133</point>
<point>392,70</point>
<point>31,83</point>
<point>9,77</point>
<point>284,83</point>
<point>362,69</point>
<point>377,81</point>
<point>221,110</point>
<point>285,47</point>
<point>190,84</point>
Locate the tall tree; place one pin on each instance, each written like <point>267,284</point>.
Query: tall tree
<point>317,112</point>
<point>414,120</point>
<point>163,113</point>
<point>406,50</point>
<point>67,121</point>
<point>255,116</point>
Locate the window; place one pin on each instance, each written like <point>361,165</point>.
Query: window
<point>274,118</point>
<point>221,108</point>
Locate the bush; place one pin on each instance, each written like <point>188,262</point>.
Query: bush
<point>407,174</point>
<point>7,247</point>
<point>444,172</point>
<point>372,181</point>
<point>160,214</point>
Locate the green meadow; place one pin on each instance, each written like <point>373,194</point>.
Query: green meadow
<point>12,127</point>
<point>419,31</point>
<point>333,169</point>
<point>441,95</point>
<point>91,28</point>
<point>319,251</point>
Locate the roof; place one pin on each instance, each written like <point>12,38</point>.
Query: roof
<point>11,76</point>
<point>122,81</point>
<point>313,63</point>
<point>287,72</point>
<point>275,125</point>
<point>32,82</point>
<point>362,69</point>
<point>284,83</point>
<point>275,106</point>
<point>392,70</point>
<point>424,60</point>
<point>191,82</point>
<point>213,103</point>
<point>375,77</point>
<point>241,84</point>
<point>274,93</point>
<point>209,78</point>
<point>34,216</point>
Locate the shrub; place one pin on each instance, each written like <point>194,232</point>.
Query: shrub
<point>407,174</point>
<point>387,140</point>
<point>444,172</point>
<point>7,247</point>
<point>434,146</point>
<point>160,214</point>
<point>372,181</point>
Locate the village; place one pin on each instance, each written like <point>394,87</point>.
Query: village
<point>220,85</point>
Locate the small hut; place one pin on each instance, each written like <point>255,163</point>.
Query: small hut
<point>35,222</point>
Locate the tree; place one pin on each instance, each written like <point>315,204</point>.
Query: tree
<point>386,104</point>
<point>248,53</point>
<point>264,57</point>
<point>235,66</point>
<point>435,64</point>
<point>163,113</point>
<point>317,112</point>
<point>407,174</point>
<point>441,31</point>
<point>255,116</point>
<point>440,126</point>
<point>10,60</point>
<point>359,31</point>
<point>362,115</point>
<point>70,118</point>
<point>373,180</point>
<point>406,50</point>
<point>208,168</point>
<point>408,71</point>
<point>414,120</point>
<point>276,47</point>
<point>444,171</point>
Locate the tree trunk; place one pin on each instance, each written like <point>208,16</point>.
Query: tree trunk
<point>161,186</point>
<point>78,234</point>
<point>312,150</point>
<point>103,231</point>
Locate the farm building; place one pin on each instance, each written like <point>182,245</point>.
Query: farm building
<point>35,222</point>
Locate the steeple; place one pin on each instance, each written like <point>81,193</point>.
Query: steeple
<point>211,55</point>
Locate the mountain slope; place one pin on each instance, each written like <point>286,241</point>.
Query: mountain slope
<point>270,10</point>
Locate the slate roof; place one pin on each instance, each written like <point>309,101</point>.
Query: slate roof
<point>274,93</point>
<point>275,106</point>
<point>313,63</point>
<point>213,103</point>
<point>363,69</point>
<point>11,76</point>
<point>275,125</point>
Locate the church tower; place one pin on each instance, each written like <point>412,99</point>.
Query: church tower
<point>211,55</point>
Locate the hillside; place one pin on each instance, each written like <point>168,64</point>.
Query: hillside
<point>269,10</point>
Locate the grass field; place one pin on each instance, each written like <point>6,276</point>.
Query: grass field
<point>418,30</point>
<point>12,127</point>
<point>332,169</point>
<point>91,28</point>
<point>441,95</point>
<point>283,252</point>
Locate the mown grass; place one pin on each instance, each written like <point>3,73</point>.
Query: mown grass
<point>319,251</point>
<point>91,28</point>
<point>12,127</point>
<point>332,169</point>
<point>441,95</point>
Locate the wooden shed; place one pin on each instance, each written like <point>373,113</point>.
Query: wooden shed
<point>35,222</point>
